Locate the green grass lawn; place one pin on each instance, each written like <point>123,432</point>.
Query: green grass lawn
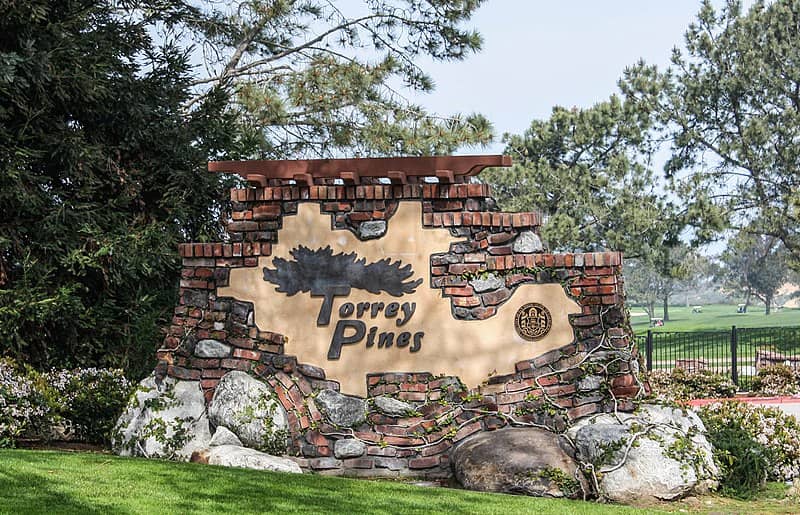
<point>716,317</point>
<point>91,483</point>
<point>86,483</point>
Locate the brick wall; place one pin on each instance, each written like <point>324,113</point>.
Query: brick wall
<point>597,372</point>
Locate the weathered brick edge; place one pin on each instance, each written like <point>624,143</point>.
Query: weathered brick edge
<point>595,373</point>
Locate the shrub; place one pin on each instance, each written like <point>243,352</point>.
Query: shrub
<point>87,400</point>
<point>680,385</point>
<point>24,405</point>
<point>91,399</point>
<point>776,380</point>
<point>744,463</point>
<point>777,432</point>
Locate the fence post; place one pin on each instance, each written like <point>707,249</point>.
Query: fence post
<point>734,364</point>
<point>648,351</point>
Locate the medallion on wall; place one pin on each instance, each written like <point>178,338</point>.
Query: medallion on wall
<point>533,321</point>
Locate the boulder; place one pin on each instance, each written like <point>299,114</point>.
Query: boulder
<point>671,457</point>
<point>211,349</point>
<point>349,448</point>
<point>487,283</point>
<point>526,461</point>
<point>372,229</point>
<point>224,436</point>
<point>242,457</point>
<point>164,419</point>
<point>393,407</point>
<point>527,242</point>
<point>341,410</point>
<point>250,409</point>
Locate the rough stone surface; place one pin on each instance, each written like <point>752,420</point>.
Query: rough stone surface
<point>224,436</point>
<point>393,407</point>
<point>651,470</point>
<point>528,242</point>
<point>372,229</point>
<point>349,448</point>
<point>164,419</point>
<point>517,460</point>
<point>590,383</point>
<point>212,349</point>
<point>341,410</point>
<point>490,282</point>
<point>242,457</point>
<point>251,410</point>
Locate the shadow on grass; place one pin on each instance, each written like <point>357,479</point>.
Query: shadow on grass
<point>36,493</point>
<point>48,482</point>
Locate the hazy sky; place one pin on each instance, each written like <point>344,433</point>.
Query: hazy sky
<point>538,54</point>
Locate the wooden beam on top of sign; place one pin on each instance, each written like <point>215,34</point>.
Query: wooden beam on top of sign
<point>460,166</point>
<point>445,176</point>
<point>397,177</point>
<point>303,178</point>
<point>350,177</point>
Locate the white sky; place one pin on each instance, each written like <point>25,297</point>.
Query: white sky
<point>538,54</point>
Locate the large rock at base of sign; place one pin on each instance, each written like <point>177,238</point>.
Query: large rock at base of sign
<point>242,457</point>
<point>341,410</point>
<point>164,419</point>
<point>520,461</point>
<point>671,457</point>
<point>251,411</point>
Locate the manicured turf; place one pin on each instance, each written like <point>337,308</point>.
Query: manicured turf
<point>716,317</point>
<point>58,482</point>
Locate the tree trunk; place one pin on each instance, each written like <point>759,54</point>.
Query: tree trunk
<point>666,308</point>
<point>747,301</point>
<point>768,303</point>
<point>650,307</point>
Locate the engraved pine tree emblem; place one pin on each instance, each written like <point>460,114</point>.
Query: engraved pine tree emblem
<point>328,275</point>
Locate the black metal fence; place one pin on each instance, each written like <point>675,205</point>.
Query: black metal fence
<point>738,352</point>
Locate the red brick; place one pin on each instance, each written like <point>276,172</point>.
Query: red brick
<point>500,251</point>
<point>467,430</point>
<point>401,441</point>
<point>411,396</point>
<point>268,211</point>
<point>423,463</point>
<point>413,387</point>
<point>560,390</point>
<point>626,391</point>
<point>626,380</point>
<point>183,373</point>
<point>246,354</point>
<point>235,364</point>
<point>475,257</point>
<point>547,380</point>
<point>582,411</point>
<point>213,373</point>
<point>586,321</point>
<point>521,385</point>
<point>496,297</point>
<point>460,268</point>
<point>459,291</point>
<point>510,398</point>
<point>466,302</point>
<point>209,383</point>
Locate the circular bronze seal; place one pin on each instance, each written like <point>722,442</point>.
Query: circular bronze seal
<point>533,321</point>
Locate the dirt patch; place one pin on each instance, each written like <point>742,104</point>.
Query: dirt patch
<point>41,445</point>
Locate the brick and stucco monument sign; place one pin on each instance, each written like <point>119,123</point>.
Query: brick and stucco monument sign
<point>358,307</point>
<point>398,279</point>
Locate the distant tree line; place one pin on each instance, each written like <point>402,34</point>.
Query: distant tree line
<point>727,112</point>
